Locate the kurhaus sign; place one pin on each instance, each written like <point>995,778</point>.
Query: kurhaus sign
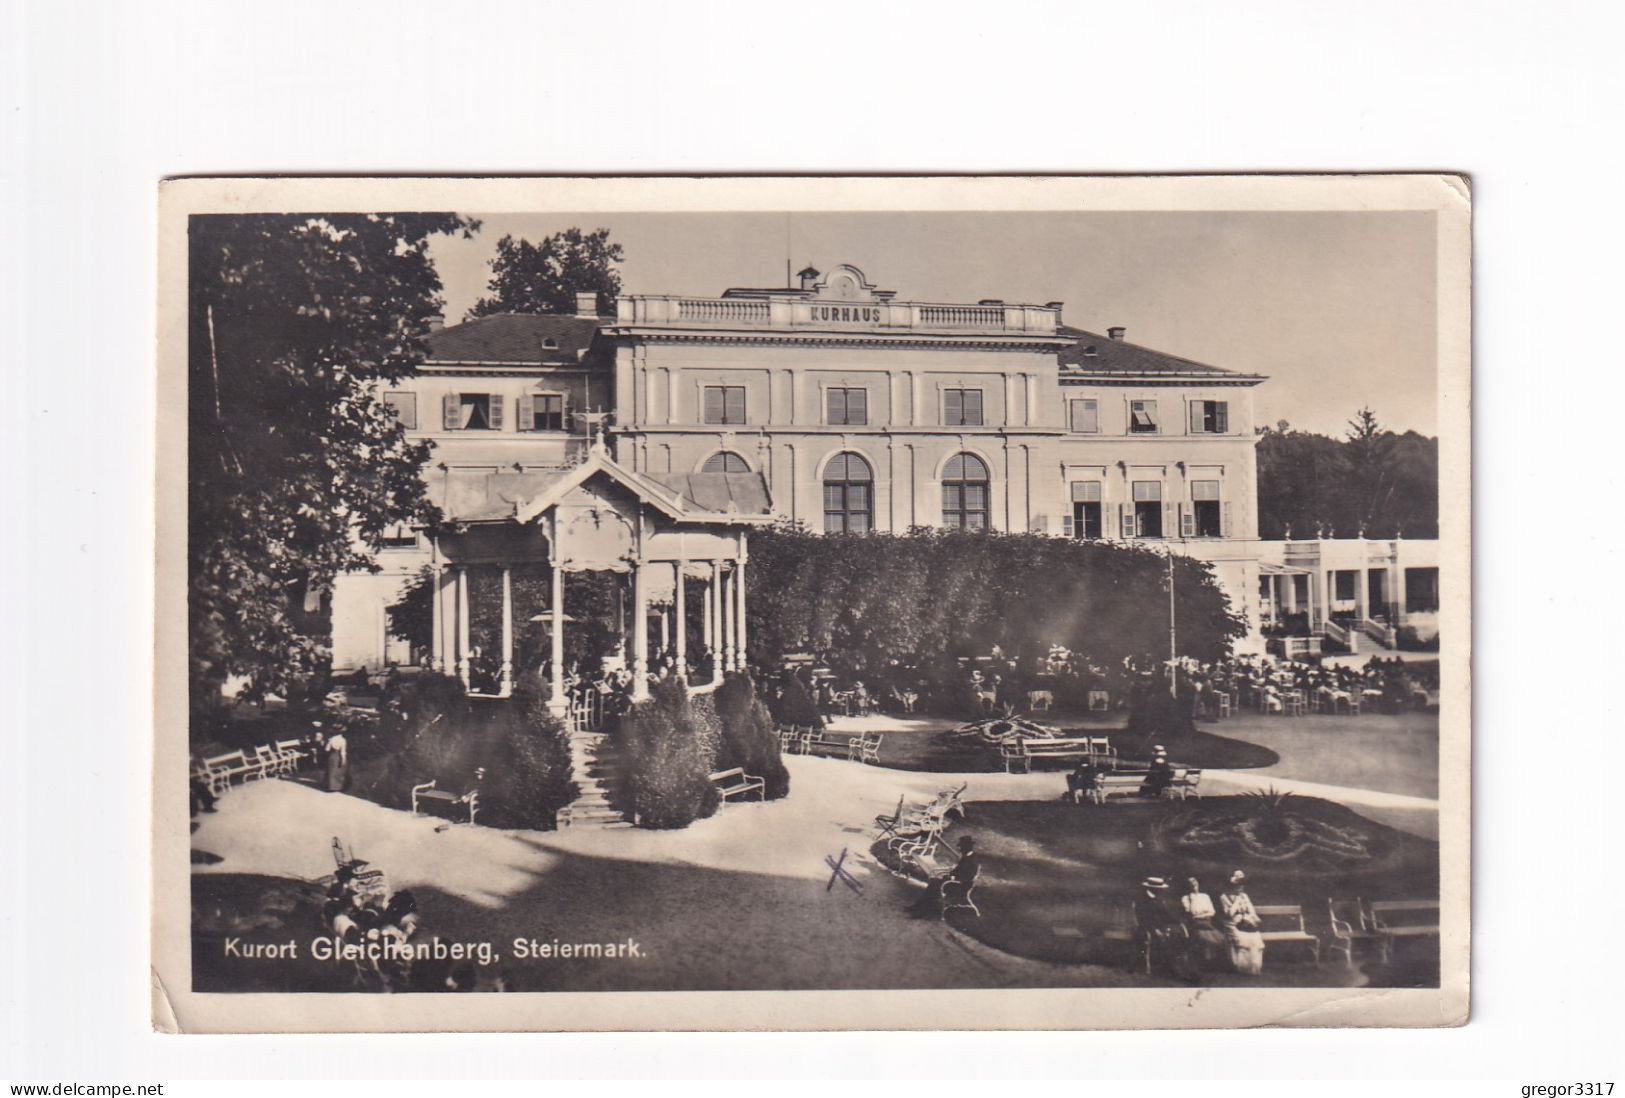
<point>849,314</point>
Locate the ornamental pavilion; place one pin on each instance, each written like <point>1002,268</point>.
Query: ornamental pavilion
<point>597,515</point>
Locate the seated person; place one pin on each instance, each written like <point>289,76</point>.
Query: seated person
<point>1081,782</point>
<point>1199,919</point>
<point>1158,778</point>
<point>1158,930</point>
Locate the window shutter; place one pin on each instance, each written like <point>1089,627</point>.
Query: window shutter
<point>1151,413</point>
<point>1221,417</point>
<point>1068,526</point>
<point>1225,529</point>
<point>713,404</point>
<point>527,412</point>
<point>953,407</point>
<point>1126,513</point>
<point>451,411</point>
<point>1168,519</point>
<point>496,403</point>
<point>734,404</point>
<point>857,406</point>
<point>1091,417</point>
<point>1187,521</point>
<point>1198,407</point>
<point>834,406</point>
<point>973,407</point>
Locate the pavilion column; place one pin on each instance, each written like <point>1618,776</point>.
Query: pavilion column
<point>1362,592</point>
<point>1292,593</point>
<point>714,605</point>
<point>556,699</point>
<point>706,611</point>
<point>739,615</point>
<point>665,631</point>
<point>506,685</point>
<point>640,633</point>
<point>437,642</point>
<point>682,623</point>
<point>462,624</point>
<point>728,628</point>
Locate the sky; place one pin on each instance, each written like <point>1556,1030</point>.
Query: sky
<point>1338,309</point>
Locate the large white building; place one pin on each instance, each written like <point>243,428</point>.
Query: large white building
<point>859,412</point>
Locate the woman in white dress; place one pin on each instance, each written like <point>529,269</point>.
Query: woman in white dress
<point>1199,917</point>
<point>1240,923</point>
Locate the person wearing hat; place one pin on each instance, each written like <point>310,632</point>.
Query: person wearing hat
<point>1240,923</point>
<point>1159,777</point>
<point>1158,930</point>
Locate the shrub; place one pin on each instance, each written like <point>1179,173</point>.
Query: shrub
<point>1153,712</point>
<point>528,772</point>
<point>1413,640</point>
<point>748,737</point>
<point>795,705</point>
<point>665,765</point>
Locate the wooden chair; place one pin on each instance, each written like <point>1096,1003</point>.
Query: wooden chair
<point>1226,706</point>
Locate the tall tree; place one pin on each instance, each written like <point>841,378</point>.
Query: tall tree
<point>545,277</point>
<point>1368,447</point>
<point>296,465</point>
<point>1371,479</point>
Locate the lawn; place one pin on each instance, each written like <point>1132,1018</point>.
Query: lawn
<point>1056,877</point>
<point>1393,753</point>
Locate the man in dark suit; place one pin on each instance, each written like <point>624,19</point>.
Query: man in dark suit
<point>1160,931</point>
<point>1081,782</point>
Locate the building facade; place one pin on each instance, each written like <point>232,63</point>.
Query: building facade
<point>858,411</point>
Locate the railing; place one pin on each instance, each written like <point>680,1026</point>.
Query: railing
<point>704,310</point>
<point>1377,631</point>
<point>1333,631</point>
<point>962,316</point>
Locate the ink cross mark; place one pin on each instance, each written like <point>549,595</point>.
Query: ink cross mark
<point>838,873</point>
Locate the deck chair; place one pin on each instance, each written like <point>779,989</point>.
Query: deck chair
<point>964,902</point>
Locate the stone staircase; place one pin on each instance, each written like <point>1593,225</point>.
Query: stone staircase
<point>593,764</point>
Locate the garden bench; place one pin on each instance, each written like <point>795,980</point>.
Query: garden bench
<point>290,755</point>
<point>820,743</point>
<point>1102,753</point>
<point>444,802</point>
<point>1284,923</point>
<point>1186,783</point>
<point>1123,783</point>
<point>1025,751</point>
<point>1391,919</point>
<point>736,782</point>
<point>1350,924</point>
<point>865,748</point>
<point>218,771</point>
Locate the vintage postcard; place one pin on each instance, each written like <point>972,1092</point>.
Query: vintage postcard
<point>812,603</point>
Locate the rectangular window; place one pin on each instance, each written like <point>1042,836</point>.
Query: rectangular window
<point>400,536</point>
<point>473,412</point>
<point>1207,513</point>
<point>1148,508</point>
<point>1421,590</point>
<point>962,407</point>
<point>1142,417</point>
<point>405,407</point>
<point>847,407</point>
<point>725,404</point>
<point>1343,584</point>
<point>1210,417</point>
<point>1084,416</point>
<point>1086,519</point>
<point>541,412</point>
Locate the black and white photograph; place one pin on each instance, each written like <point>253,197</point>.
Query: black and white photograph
<point>891,585</point>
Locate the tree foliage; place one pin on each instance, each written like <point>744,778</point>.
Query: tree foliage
<point>749,740</point>
<point>1372,480</point>
<point>869,603</point>
<point>545,277</point>
<point>296,466</point>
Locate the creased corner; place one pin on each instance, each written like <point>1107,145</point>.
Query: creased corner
<point>164,1019</point>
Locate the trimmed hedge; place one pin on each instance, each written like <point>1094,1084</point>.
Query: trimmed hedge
<point>748,737</point>
<point>666,754</point>
<point>430,730</point>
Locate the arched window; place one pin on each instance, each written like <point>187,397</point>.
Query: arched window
<point>848,495</point>
<point>965,493</point>
<point>725,461</point>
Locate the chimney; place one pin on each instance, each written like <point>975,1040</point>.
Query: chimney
<point>1117,334</point>
<point>587,305</point>
<point>991,301</point>
<point>1056,305</point>
<point>808,276</point>
<point>436,322</point>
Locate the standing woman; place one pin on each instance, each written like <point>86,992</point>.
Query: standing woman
<point>338,762</point>
<point>1241,924</point>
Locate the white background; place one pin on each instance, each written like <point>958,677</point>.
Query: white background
<point>101,99</point>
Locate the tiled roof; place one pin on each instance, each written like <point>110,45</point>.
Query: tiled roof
<point>745,493</point>
<point>514,337</point>
<point>1117,356</point>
